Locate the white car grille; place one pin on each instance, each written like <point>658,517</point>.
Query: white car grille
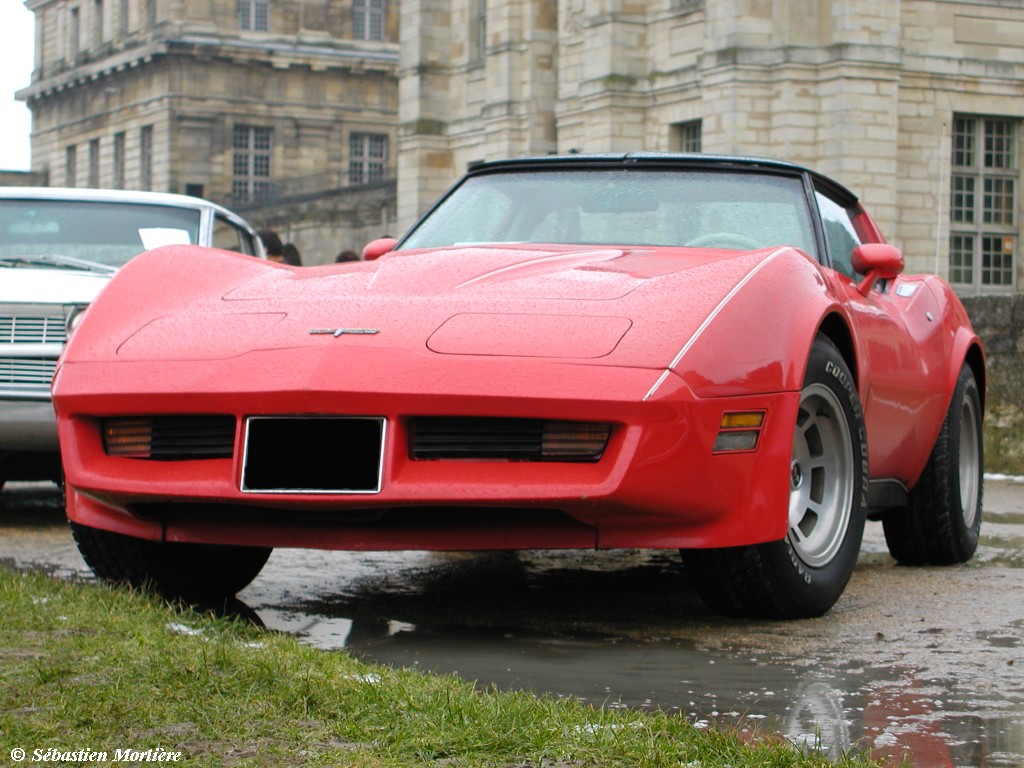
<point>15,329</point>
<point>26,371</point>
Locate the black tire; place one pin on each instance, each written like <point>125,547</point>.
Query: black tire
<point>190,571</point>
<point>941,524</point>
<point>804,574</point>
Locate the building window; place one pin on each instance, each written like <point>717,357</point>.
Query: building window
<point>477,32</point>
<point>686,136</point>
<point>146,157</point>
<point>983,229</point>
<point>122,19</point>
<point>119,160</point>
<point>71,166</point>
<point>368,157</point>
<point>97,24</point>
<point>150,13</point>
<point>94,163</point>
<point>74,31</point>
<point>251,163</point>
<point>368,19</point>
<point>254,15</point>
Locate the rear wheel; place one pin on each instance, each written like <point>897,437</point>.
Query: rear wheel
<point>804,574</point>
<point>174,570</point>
<point>942,522</point>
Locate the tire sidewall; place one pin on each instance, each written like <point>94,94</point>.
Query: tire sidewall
<point>816,589</point>
<point>966,536</point>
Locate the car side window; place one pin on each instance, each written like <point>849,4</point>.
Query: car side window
<point>840,233</point>
<point>230,237</point>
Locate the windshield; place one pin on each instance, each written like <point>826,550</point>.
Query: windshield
<point>700,208</point>
<point>84,234</point>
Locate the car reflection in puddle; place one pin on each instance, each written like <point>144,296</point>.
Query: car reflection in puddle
<point>918,662</point>
<point>622,630</point>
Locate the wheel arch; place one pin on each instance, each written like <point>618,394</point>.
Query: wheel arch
<point>975,358</point>
<point>835,327</point>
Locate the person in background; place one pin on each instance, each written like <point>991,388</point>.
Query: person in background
<point>272,245</point>
<point>290,255</point>
<point>346,256</point>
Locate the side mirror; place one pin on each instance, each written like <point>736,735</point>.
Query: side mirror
<point>877,261</point>
<point>377,248</point>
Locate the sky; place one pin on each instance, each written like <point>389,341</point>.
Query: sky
<point>16,58</point>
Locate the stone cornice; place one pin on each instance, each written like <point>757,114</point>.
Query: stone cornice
<point>277,54</point>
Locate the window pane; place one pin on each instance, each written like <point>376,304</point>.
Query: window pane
<point>961,205</point>
<point>839,232</point>
<point>996,263</point>
<point>963,142</point>
<point>251,162</point>
<point>998,201</point>
<point>999,144</point>
<point>260,16</point>
<point>368,157</point>
<point>687,136</point>
<point>368,19</point>
<point>983,202</point>
<point>253,15</point>
<point>961,259</point>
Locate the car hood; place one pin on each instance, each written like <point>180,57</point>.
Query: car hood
<point>21,285</point>
<point>608,306</point>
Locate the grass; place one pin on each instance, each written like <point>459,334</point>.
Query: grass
<point>88,667</point>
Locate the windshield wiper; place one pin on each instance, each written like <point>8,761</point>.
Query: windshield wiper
<point>56,260</point>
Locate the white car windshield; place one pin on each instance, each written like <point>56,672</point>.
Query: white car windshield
<point>698,208</point>
<point>86,234</point>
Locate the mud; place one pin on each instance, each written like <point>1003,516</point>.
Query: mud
<point>925,662</point>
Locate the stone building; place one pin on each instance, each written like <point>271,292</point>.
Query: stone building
<point>284,110</point>
<point>916,105</point>
<point>299,113</point>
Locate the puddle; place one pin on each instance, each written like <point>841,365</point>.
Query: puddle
<point>925,663</point>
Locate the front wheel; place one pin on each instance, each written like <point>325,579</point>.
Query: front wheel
<point>804,574</point>
<point>942,523</point>
<point>191,571</point>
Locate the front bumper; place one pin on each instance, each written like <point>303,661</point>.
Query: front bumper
<point>659,483</point>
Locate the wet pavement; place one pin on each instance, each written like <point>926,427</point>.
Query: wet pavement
<point>926,662</point>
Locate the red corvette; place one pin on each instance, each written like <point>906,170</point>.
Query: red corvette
<point>719,355</point>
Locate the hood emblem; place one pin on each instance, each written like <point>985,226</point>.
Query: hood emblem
<point>336,332</point>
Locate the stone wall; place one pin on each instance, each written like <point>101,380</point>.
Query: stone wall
<point>22,179</point>
<point>999,320</point>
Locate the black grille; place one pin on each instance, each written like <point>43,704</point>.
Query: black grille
<point>170,438</point>
<point>474,438</point>
<point>506,439</point>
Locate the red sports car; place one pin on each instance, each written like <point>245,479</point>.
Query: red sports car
<point>714,354</point>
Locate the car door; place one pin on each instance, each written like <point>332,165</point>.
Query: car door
<point>901,353</point>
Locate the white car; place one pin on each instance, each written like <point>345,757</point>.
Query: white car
<point>58,248</point>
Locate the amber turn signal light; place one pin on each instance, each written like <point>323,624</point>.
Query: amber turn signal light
<point>739,431</point>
